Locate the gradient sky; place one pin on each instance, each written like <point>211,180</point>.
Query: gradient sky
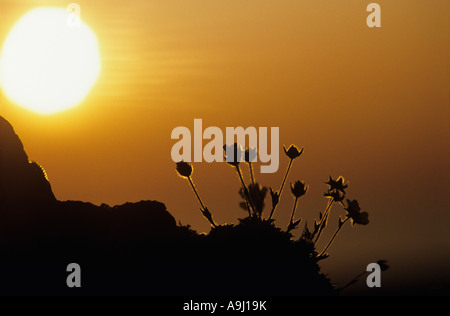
<point>369,104</point>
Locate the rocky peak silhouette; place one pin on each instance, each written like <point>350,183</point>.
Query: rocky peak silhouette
<point>22,182</point>
<point>28,205</point>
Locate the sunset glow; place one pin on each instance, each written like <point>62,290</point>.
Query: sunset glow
<point>110,106</point>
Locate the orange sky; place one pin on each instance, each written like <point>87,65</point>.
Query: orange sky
<point>369,104</point>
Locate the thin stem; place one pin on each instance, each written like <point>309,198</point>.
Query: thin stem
<point>282,186</point>
<point>251,173</point>
<point>244,187</point>
<point>248,208</point>
<point>203,209</point>
<point>271,212</point>
<point>334,236</point>
<point>327,209</point>
<point>285,176</point>
<point>196,193</point>
<point>250,166</point>
<point>293,211</point>
<point>324,219</point>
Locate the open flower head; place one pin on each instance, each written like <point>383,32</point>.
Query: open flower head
<point>184,169</point>
<point>299,189</point>
<point>352,208</point>
<point>234,154</point>
<point>337,184</point>
<point>250,154</point>
<point>355,214</point>
<point>292,152</point>
<point>361,219</point>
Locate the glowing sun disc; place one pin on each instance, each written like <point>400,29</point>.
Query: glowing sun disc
<point>48,65</point>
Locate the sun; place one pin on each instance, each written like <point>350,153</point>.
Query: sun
<point>48,64</point>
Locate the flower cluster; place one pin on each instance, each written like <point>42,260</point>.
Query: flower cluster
<point>254,195</point>
<point>336,189</point>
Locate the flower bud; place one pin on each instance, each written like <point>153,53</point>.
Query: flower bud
<point>275,197</point>
<point>184,169</point>
<point>299,189</point>
<point>292,152</point>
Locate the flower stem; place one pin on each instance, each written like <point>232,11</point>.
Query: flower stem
<point>327,209</point>
<point>334,236</point>
<point>252,176</point>
<point>271,212</point>
<point>324,219</point>
<point>293,211</point>
<point>251,173</point>
<point>282,186</point>
<point>286,175</point>
<point>196,193</point>
<point>204,210</point>
<point>246,191</point>
<point>248,208</point>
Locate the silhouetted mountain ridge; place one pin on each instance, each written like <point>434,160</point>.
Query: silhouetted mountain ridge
<point>134,248</point>
<point>27,202</point>
<point>22,182</point>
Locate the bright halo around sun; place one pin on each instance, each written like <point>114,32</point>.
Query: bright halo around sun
<point>47,64</point>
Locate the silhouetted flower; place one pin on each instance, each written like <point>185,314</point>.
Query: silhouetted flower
<point>292,152</point>
<point>355,214</point>
<point>337,184</point>
<point>361,219</point>
<point>250,155</point>
<point>184,169</point>
<point>257,195</point>
<point>233,154</point>
<point>254,196</point>
<point>299,189</point>
<point>275,197</point>
<point>336,195</point>
<point>352,208</point>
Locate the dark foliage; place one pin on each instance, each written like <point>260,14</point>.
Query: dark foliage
<point>136,248</point>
